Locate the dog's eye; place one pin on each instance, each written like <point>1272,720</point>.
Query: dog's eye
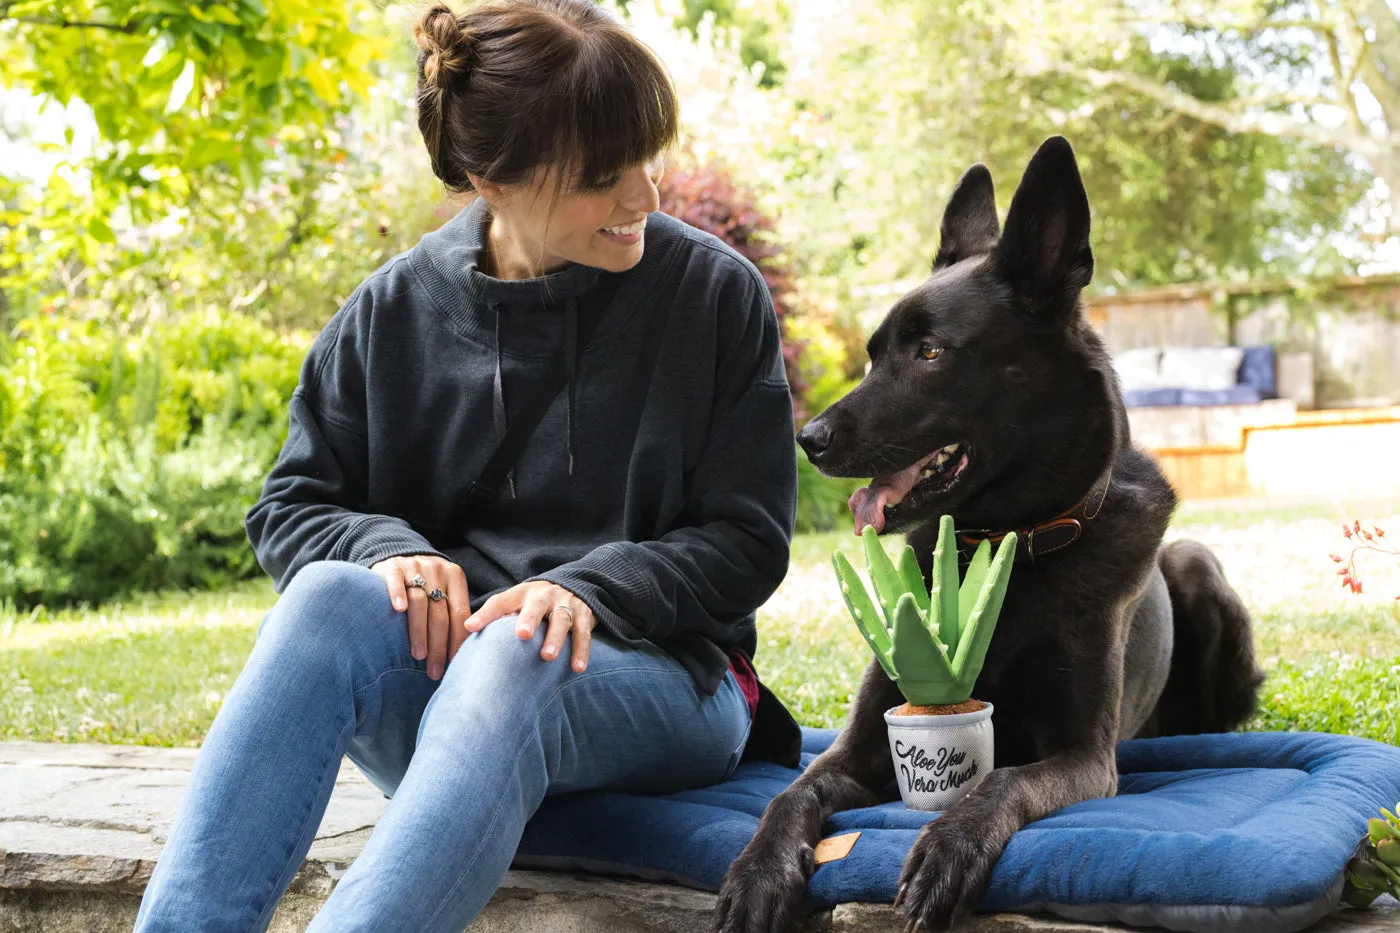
<point>928,351</point>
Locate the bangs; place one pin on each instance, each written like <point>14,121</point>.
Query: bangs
<point>621,110</point>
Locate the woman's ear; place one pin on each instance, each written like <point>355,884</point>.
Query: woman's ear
<point>493,193</point>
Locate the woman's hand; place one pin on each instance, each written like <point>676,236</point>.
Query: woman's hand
<point>435,627</point>
<point>537,601</point>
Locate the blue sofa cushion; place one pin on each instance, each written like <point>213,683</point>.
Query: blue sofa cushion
<point>1147,398</point>
<point>1258,369</point>
<point>1237,395</point>
<point>1208,833</point>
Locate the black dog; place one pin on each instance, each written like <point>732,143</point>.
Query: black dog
<point>991,399</point>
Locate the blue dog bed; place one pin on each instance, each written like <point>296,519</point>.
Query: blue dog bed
<point>1208,833</point>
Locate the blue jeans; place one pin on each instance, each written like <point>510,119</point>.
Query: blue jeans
<point>466,759</point>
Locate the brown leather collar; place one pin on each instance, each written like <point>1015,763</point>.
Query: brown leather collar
<point>1038,540</point>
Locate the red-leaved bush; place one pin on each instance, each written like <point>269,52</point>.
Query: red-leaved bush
<point>706,196</point>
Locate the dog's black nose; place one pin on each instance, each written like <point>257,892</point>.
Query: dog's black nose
<point>815,438</point>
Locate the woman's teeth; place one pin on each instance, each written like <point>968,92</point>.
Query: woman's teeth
<point>628,230</point>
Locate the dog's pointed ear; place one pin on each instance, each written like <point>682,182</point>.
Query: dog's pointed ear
<point>970,220</point>
<point>1044,251</point>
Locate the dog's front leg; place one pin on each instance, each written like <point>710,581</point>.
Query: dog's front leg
<point>763,889</point>
<point>1074,724</point>
<point>952,859</point>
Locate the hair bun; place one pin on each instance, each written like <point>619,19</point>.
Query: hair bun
<point>446,47</point>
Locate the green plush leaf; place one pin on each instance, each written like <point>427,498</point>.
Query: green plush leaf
<point>973,579</point>
<point>981,624</point>
<point>913,579</point>
<point>944,596</point>
<point>920,660</point>
<point>867,618</point>
<point>886,580</point>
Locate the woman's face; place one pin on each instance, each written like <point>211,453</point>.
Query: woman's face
<point>533,232</point>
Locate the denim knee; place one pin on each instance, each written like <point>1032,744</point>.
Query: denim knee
<point>328,605</point>
<point>498,680</point>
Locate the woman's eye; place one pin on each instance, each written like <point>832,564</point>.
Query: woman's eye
<point>602,184</point>
<point>928,351</point>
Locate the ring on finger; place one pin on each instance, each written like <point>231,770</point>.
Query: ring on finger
<point>437,595</point>
<point>562,608</point>
<point>417,581</point>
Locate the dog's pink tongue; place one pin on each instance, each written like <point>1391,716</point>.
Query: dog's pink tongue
<point>868,503</point>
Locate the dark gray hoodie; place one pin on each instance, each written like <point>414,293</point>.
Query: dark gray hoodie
<point>668,511</point>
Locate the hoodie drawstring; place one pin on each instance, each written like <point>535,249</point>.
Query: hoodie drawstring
<point>571,366</point>
<point>498,400</point>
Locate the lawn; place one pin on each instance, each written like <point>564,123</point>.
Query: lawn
<point>154,670</point>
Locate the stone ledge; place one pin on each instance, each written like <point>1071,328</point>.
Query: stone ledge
<point>81,827</point>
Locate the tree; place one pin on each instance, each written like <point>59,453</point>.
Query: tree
<point>1323,72</point>
<point>900,96</point>
<point>189,100</point>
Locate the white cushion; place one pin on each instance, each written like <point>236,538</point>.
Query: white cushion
<point>1139,369</point>
<point>1207,368</point>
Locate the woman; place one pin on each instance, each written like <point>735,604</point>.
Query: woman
<point>422,629</point>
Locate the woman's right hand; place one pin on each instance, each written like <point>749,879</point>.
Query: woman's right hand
<point>436,629</point>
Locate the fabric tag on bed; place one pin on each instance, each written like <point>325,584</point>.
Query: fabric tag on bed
<point>833,848</point>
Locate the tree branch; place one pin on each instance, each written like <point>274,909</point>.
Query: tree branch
<point>1348,100</point>
<point>64,23</point>
<point>1233,117</point>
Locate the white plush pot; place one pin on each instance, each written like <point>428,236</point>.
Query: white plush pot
<point>938,759</point>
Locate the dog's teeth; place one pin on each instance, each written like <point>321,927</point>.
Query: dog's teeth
<point>950,449</point>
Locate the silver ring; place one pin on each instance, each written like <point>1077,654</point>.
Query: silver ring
<point>417,581</point>
<point>437,595</point>
<point>566,609</point>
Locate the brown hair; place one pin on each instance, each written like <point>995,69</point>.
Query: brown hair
<point>512,86</point>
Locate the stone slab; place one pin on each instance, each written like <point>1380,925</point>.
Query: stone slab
<point>81,827</point>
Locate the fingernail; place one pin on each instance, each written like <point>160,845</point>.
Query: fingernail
<point>549,652</point>
<point>579,666</point>
<point>523,632</point>
<point>419,652</point>
<point>434,670</point>
<point>399,604</point>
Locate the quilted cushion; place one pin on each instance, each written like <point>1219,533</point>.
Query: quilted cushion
<point>1209,833</point>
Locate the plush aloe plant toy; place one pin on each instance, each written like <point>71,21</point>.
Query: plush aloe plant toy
<point>932,644</point>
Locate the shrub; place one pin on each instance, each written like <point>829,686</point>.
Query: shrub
<point>130,464</point>
<point>707,197</point>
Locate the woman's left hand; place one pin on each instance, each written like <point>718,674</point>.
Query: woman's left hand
<point>541,601</point>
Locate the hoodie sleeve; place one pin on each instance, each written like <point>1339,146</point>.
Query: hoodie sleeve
<point>312,504</point>
<point>733,551</point>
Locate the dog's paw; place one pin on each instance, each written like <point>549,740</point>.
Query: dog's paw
<point>762,892</point>
<point>945,874</point>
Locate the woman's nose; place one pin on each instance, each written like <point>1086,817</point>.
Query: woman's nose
<point>642,195</point>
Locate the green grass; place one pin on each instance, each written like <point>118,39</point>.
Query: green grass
<point>153,670</point>
<point>1245,513</point>
<point>148,671</point>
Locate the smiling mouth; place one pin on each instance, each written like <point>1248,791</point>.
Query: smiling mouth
<point>631,229</point>
<point>937,473</point>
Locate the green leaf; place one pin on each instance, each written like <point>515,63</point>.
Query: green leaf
<point>944,596</point>
<point>972,581</point>
<point>913,578</point>
<point>972,650</point>
<point>920,660</point>
<point>100,231</point>
<point>321,81</point>
<point>222,14</point>
<point>869,620</point>
<point>887,582</point>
